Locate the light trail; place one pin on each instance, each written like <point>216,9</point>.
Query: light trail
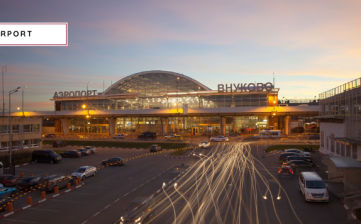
<point>228,185</point>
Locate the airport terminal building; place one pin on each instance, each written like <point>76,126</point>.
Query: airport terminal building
<point>168,102</point>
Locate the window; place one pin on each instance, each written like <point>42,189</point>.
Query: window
<point>322,139</point>
<point>26,128</point>
<point>354,151</point>
<point>3,145</point>
<point>15,128</point>
<point>4,129</point>
<point>35,128</point>
<point>35,143</point>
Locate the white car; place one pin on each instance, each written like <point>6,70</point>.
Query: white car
<point>304,154</point>
<point>168,136</point>
<point>204,144</point>
<point>119,136</point>
<point>219,139</point>
<point>84,172</point>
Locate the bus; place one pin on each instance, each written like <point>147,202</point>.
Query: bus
<point>271,134</point>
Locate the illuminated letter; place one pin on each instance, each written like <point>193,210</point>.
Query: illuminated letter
<point>220,88</point>
<point>268,86</point>
<point>82,93</point>
<point>61,94</point>
<point>253,88</point>
<point>77,93</point>
<point>66,94</point>
<point>89,92</point>
<point>236,87</point>
<point>71,94</point>
<point>55,95</point>
<point>243,87</point>
<point>260,87</point>
<point>230,87</point>
<point>94,92</point>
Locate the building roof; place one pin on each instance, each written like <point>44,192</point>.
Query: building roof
<point>345,163</point>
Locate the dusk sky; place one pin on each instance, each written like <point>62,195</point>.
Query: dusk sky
<point>310,46</point>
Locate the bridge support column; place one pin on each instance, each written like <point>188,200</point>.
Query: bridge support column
<point>223,125</point>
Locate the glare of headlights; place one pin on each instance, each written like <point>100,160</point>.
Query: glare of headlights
<point>163,184</point>
<point>138,219</point>
<point>278,198</point>
<point>122,218</point>
<point>175,184</point>
<point>200,154</point>
<point>265,197</point>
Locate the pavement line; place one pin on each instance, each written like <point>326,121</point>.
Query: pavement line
<point>44,209</point>
<point>120,198</point>
<point>42,200</point>
<point>346,207</point>
<point>68,190</point>
<point>28,206</point>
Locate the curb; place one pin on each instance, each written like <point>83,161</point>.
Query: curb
<point>41,201</point>
<point>348,211</point>
<point>97,147</point>
<point>24,164</point>
<point>179,157</point>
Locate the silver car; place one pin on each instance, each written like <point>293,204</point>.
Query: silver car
<point>84,172</point>
<point>92,149</point>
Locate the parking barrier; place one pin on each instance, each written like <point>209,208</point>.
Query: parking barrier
<point>21,175</point>
<point>10,207</point>
<point>79,180</point>
<point>29,200</point>
<point>31,175</point>
<point>56,189</point>
<point>76,182</point>
<point>68,186</point>
<point>43,194</point>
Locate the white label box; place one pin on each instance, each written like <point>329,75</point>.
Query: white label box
<point>33,34</point>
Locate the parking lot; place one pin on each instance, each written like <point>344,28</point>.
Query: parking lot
<point>141,176</point>
<point>103,198</point>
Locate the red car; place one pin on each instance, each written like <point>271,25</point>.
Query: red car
<point>8,180</point>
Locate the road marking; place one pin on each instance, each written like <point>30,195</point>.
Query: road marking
<point>83,193</point>
<point>19,221</point>
<point>66,201</point>
<point>44,210</point>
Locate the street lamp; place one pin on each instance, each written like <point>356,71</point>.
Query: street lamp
<point>22,98</point>
<point>11,130</point>
<point>87,96</point>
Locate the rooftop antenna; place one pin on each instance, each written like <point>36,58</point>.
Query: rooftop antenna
<point>4,69</point>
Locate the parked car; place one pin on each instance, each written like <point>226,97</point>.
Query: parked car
<point>287,170</point>
<point>84,152</point>
<point>57,144</point>
<point>119,136</point>
<point>50,136</point>
<point>176,138</point>
<point>91,148</point>
<point>148,136</point>
<point>45,156</point>
<point>155,148</point>
<point>49,182</point>
<point>113,162</point>
<point>294,150</point>
<point>204,144</point>
<point>312,187</point>
<point>8,180</point>
<point>285,154</point>
<point>142,214</point>
<point>219,139</point>
<point>169,136</point>
<point>8,191</point>
<point>290,158</point>
<point>84,172</point>
<point>315,137</point>
<point>4,201</point>
<point>28,183</point>
<point>71,154</point>
<point>299,163</point>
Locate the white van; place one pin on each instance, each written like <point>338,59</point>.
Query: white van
<point>312,187</point>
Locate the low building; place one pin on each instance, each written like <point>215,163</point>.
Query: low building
<point>340,122</point>
<point>26,133</point>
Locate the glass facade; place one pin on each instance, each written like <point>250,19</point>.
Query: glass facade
<point>191,125</point>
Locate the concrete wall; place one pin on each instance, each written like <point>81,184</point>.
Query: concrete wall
<point>338,129</point>
<point>48,130</point>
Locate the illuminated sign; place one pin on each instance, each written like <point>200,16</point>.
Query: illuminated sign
<point>250,87</point>
<point>70,94</point>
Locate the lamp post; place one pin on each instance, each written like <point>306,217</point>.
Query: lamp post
<point>10,133</point>
<point>87,104</point>
<point>3,69</point>
<point>22,98</point>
